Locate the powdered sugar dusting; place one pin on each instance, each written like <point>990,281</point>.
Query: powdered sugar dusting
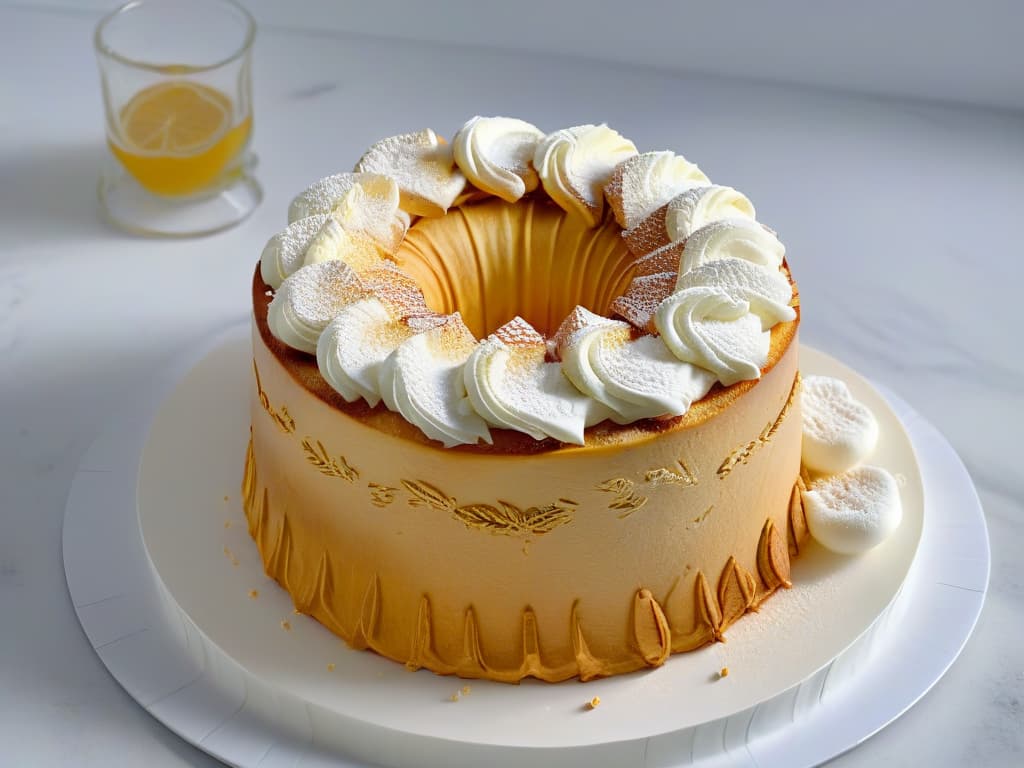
<point>397,290</point>
<point>519,333</point>
<point>649,234</point>
<point>321,196</point>
<point>642,298</point>
<point>838,430</point>
<point>424,167</point>
<point>644,370</point>
<point>854,511</point>
<point>664,259</point>
<point>578,319</point>
<point>643,183</point>
<point>285,251</point>
<point>318,292</point>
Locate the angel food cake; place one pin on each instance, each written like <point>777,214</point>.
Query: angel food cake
<point>525,404</point>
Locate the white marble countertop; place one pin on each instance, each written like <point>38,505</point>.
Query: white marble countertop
<point>902,222</point>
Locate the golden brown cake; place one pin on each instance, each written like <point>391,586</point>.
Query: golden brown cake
<point>505,445</point>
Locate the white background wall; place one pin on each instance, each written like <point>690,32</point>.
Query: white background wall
<point>968,51</point>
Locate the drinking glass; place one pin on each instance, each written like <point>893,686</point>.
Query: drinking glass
<point>176,77</point>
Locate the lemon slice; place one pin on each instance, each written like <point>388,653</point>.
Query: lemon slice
<point>176,138</point>
<point>178,117</point>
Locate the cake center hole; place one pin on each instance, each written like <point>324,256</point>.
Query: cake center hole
<point>496,260</point>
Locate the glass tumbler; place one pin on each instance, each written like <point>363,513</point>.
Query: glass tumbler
<point>176,77</point>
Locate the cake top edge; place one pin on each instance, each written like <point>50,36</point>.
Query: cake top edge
<point>709,283</point>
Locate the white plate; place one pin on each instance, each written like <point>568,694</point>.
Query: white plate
<point>245,690</point>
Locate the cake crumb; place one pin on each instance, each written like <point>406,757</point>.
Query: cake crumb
<point>330,667</point>
<point>230,556</point>
<point>286,625</point>
<point>594,703</point>
<point>296,611</point>
<point>227,523</point>
<point>226,499</point>
<point>723,672</point>
<point>454,696</point>
<point>466,690</point>
<point>253,594</point>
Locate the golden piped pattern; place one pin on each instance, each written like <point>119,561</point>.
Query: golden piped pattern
<point>743,453</point>
<point>656,630</point>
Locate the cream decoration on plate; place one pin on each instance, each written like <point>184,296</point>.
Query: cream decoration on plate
<point>855,511</point>
<point>838,430</point>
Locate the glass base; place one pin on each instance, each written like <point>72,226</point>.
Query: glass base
<point>130,207</point>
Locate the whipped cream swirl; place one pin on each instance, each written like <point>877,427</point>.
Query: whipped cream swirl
<point>495,153</point>
<point>635,378</point>
<point>738,238</point>
<point>285,252</point>
<point>575,163</point>
<point>642,183</point>
<point>720,316</point>
<point>696,207</point>
<point>512,387</point>
<point>423,380</point>
<point>308,300</point>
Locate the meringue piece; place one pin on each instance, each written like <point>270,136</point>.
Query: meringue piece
<point>664,259</point>
<point>645,374</point>
<point>512,386</point>
<point>574,165</point>
<point>767,292</point>
<point>711,329</point>
<point>423,378</point>
<point>579,332</point>
<point>309,299</point>
<point>838,430</point>
<point>321,196</point>
<point>399,292</point>
<point>495,153</point>
<point>684,214</point>
<point>362,202</point>
<point>855,511</point>
<point>738,238</point>
<point>642,298</point>
<point>643,183</point>
<point>371,207</point>
<point>424,167</point>
<point>335,243</point>
<point>357,341</point>
<point>285,251</point>
<point>698,207</point>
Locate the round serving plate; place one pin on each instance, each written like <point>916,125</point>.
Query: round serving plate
<point>171,592</point>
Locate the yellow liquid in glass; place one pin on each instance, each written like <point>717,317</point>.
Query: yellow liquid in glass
<point>176,137</point>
